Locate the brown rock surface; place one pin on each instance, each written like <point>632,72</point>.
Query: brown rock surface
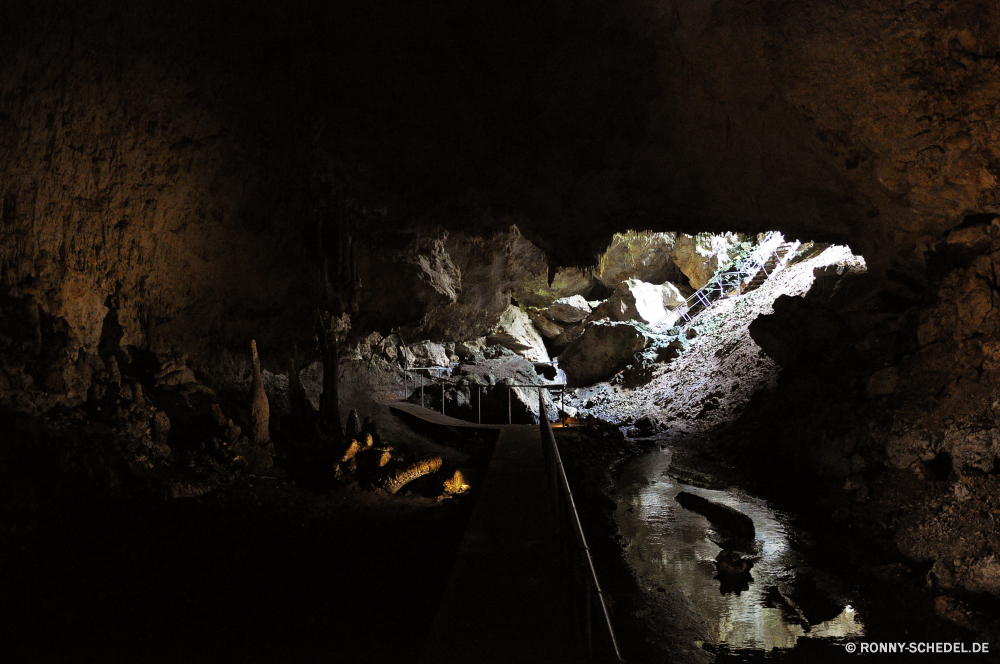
<point>603,348</point>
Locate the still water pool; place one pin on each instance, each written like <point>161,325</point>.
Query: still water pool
<point>670,547</point>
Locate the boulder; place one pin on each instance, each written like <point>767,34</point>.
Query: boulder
<point>516,333</point>
<point>468,350</point>
<point>723,517</point>
<point>427,354</point>
<point>568,309</point>
<point>672,296</point>
<point>537,292</point>
<point>546,327</point>
<point>632,255</point>
<point>569,334</point>
<point>644,301</point>
<point>602,349</point>
<point>700,256</point>
<point>633,300</point>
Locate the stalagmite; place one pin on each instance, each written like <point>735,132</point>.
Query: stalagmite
<point>260,412</point>
<point>403,477</point>
<point>457,483</point>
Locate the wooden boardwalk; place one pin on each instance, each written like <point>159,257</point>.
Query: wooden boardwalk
<point>504,601</point>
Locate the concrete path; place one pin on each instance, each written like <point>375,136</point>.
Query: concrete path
<point>504,599</point>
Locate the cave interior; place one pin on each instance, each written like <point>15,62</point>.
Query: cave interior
<point>231,234</point>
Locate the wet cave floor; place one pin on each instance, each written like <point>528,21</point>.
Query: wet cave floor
<point>816,585</point>
<point>258,570</point>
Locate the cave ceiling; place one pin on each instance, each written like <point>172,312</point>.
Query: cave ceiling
<point>172,153</point>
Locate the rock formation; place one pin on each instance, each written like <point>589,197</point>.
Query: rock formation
<point>603,348</point>
<point>260,412</point>
<point>644,256</point>
<point>515,331</point>
<point>568,309</point>
<point>699,257</point>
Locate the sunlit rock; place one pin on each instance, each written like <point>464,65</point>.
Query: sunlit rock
<point>568,309</point>
<point>516,333</point>
<point>700,256</point>
<point>636,255</point>
<point>427,354</point>
<point>537,292</point>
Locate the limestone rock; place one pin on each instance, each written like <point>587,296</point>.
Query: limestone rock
<point>260,411</point>
<point>699,257</point>
<point>427,354</point>
<point>546,327</point>
<point>568,309</point>
<point>516,333</point>
<point>468,350</point>
<point>603,348</point>
<point>640,301</point>
<point>537,292</point>
<point>569,335</point>
<point>403,477</point>
<point>672,296</point>
<point>456,484</point>
<point>631,255</point>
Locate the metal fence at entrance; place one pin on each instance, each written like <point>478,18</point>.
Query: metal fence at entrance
<point>423,382</point>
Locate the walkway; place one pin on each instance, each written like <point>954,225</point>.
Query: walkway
<point>504,601</point>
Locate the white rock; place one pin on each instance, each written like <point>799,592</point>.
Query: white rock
<point>700,257</point>
<point>516,332</point>
<point>672,296</point>
<point>568,309</point>
<point>427,354</point>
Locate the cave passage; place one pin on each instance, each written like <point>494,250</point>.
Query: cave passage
<point>753,246</point>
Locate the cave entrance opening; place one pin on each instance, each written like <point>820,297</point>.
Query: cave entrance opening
<point>657,330</point>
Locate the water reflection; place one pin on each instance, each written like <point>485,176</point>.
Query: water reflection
<point>672,547</point>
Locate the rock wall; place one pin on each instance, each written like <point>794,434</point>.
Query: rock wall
<point>890,394</point>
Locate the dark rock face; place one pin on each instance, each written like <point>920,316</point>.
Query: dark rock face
<point>723,517</point>
<point>603,348</point>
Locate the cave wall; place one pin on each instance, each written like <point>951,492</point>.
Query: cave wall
<point>172,161</point>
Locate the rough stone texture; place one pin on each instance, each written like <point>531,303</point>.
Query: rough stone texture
<point>427,354</point>
<point>260,412</point>
<point>699,257</point>
<point>644,256</point>
<point>515,332</point>
<point>603,348</point>
<point>568,309</point>
<point>672,296</point>
<point>537,292</point>
<point>632,300</point>
<point>545,327</point>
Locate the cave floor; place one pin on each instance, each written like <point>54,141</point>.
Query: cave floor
<point>259,570</point>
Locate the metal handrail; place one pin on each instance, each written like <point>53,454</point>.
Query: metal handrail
<point>479,402</point>
<point>727,281</point>
<point>562,491</point>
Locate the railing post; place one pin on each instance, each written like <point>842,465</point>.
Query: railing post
<point>442,397</point>
<point>421,391</point>
<point>404,384</point>
<point>479,403</point>
<point>510,417</point>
